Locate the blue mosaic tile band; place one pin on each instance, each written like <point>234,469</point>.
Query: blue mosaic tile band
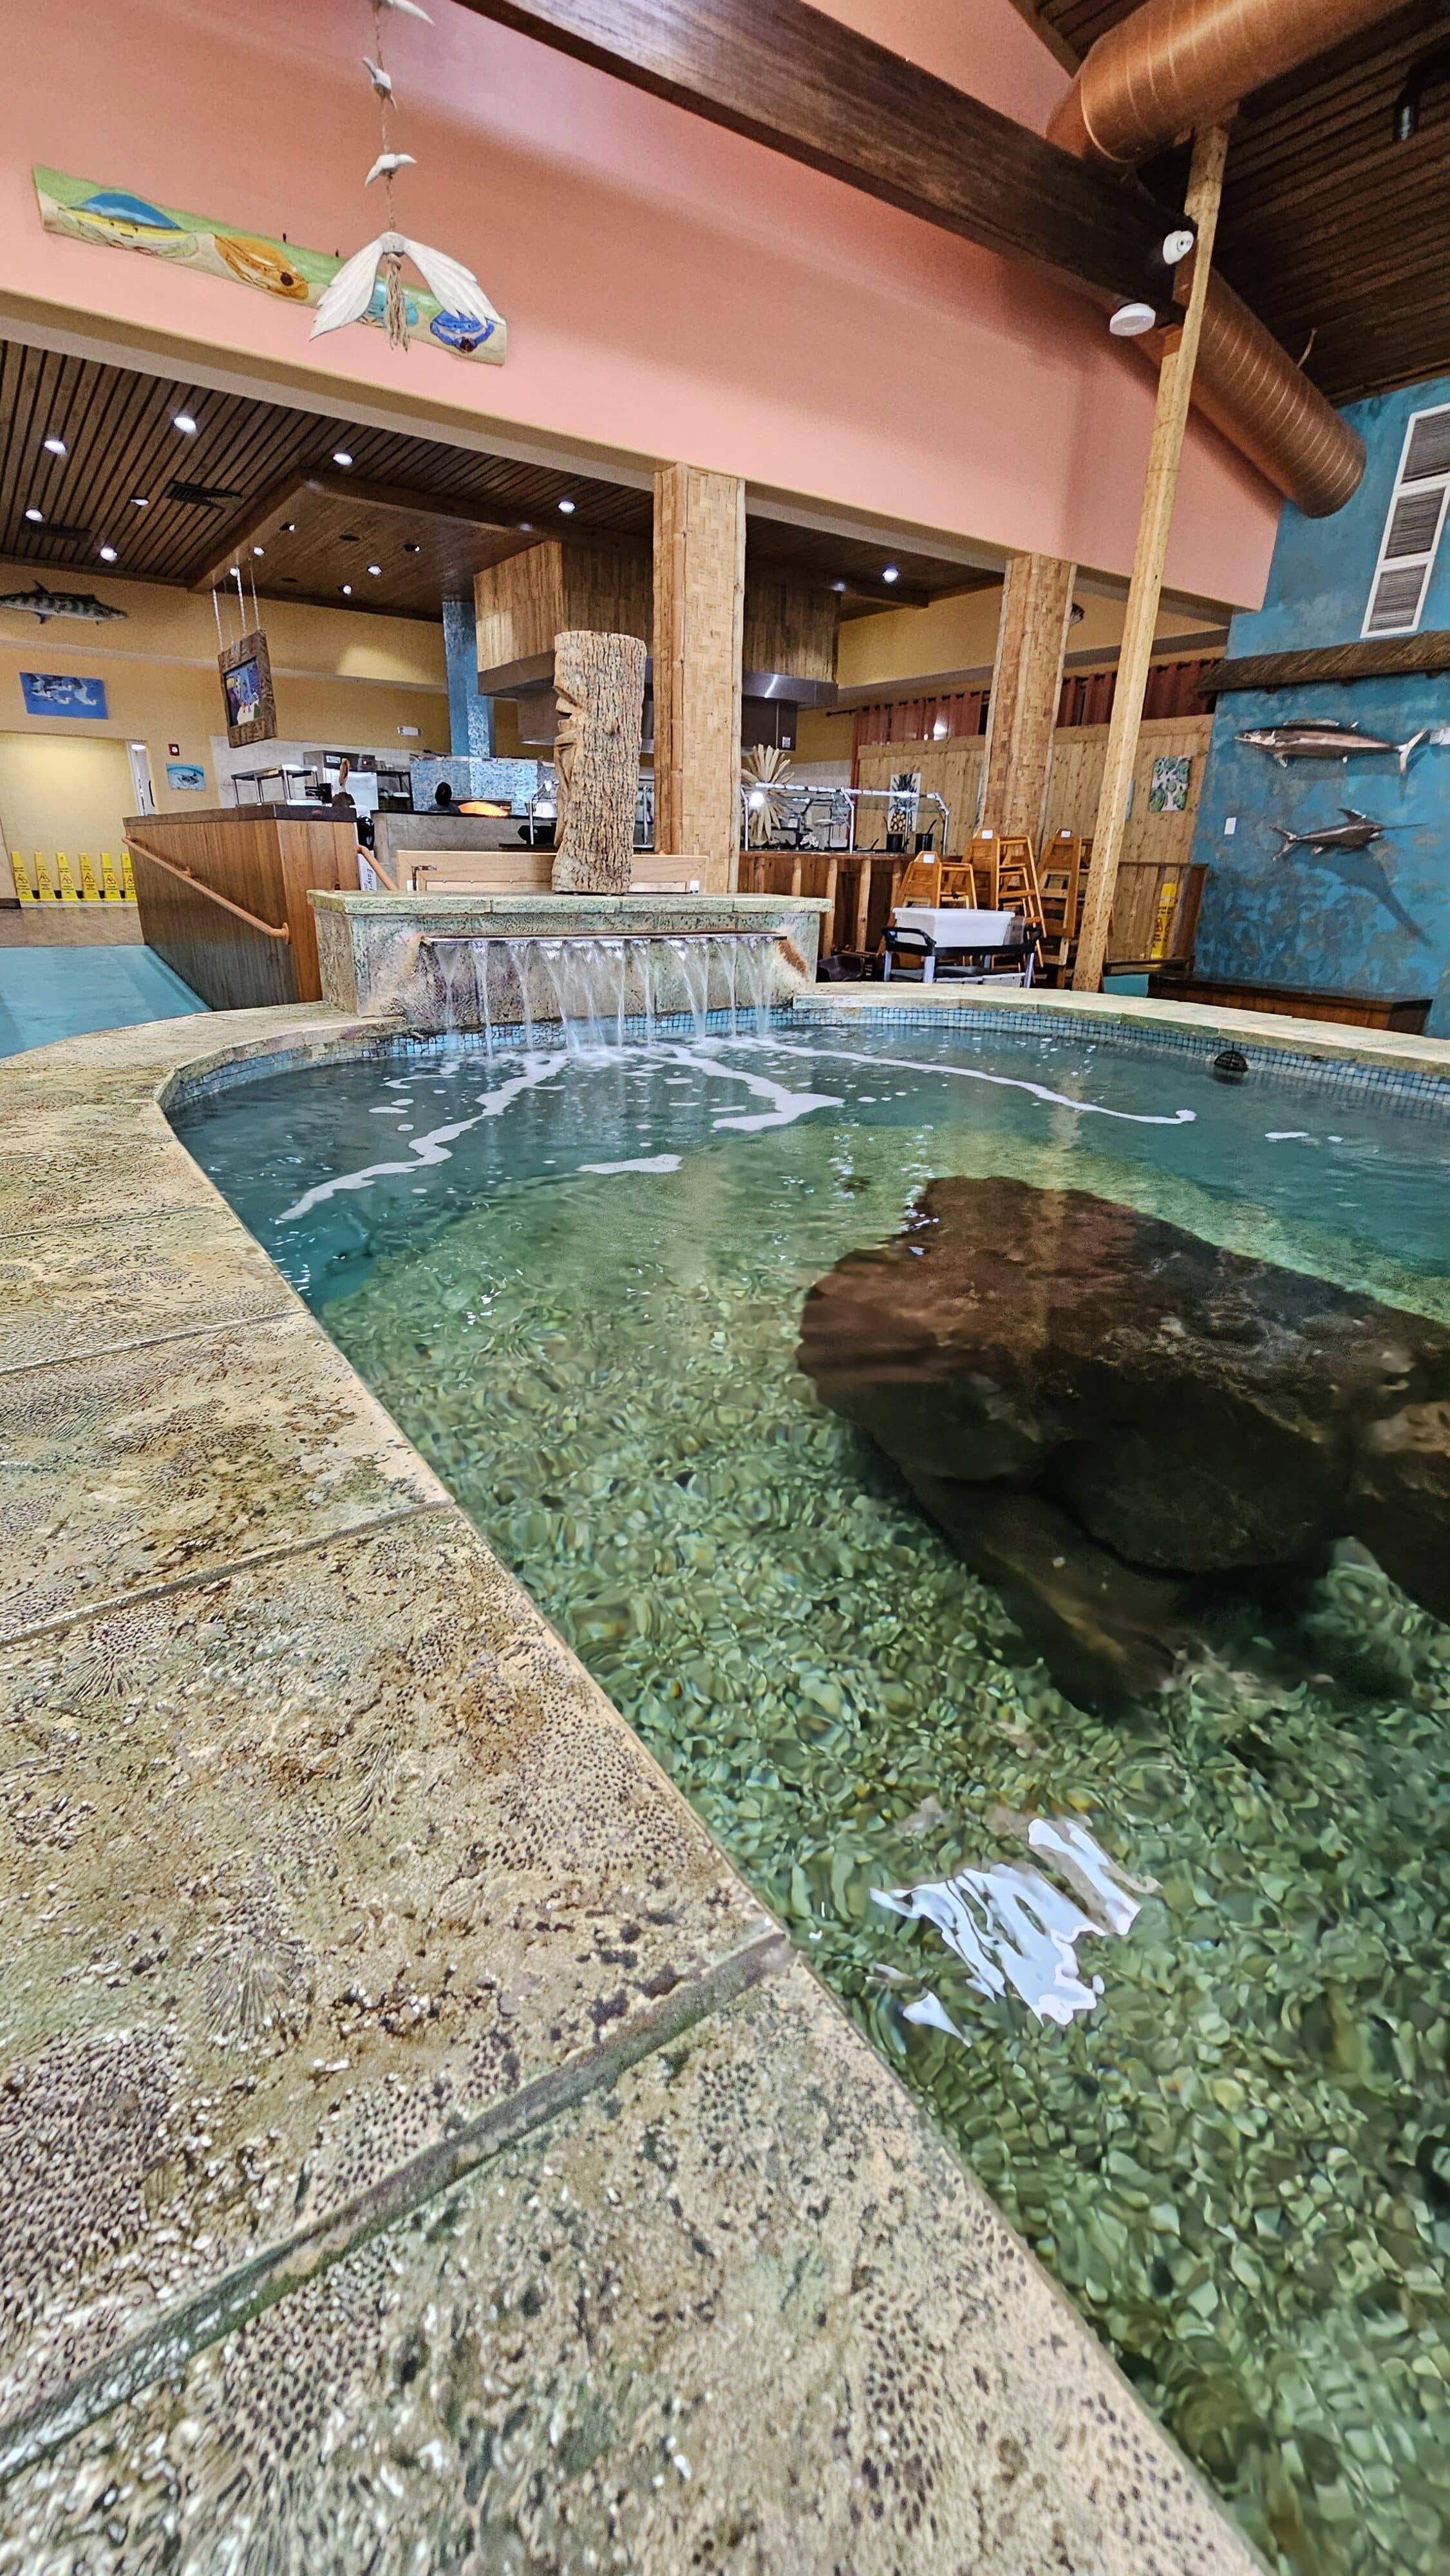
<point>1419,1093</point>
<point>1428,1092</point>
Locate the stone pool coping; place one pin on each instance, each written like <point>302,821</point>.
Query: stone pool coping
<point>335,1886</point>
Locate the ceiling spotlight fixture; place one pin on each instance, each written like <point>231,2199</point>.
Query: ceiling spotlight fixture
<point>1178,244</point>
<point>375,569</point>
<point>347,590</point>
<point>259,550</point>
<point>37,517</point>
<point>838,586</point>
<point>54,446</point>
<point>289,528</point>
<point>411,547</point>
<point>108,554</point>
<point>890,573</point>
<point>139,501</point>
<point>340,456</point>
<point>568,508</point>
<point>234,572</point>
<point>183,421</point>
<point>526,527</point>
<point>1131,320</point>
<point>1076,613</point>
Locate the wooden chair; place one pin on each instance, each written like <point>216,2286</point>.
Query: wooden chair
<point>1016,887</point>
<point>921,882</point>
<point>1060,880</point>
<point>958,882</point>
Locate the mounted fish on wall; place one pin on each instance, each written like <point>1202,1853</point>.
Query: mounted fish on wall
<point>457,318</point>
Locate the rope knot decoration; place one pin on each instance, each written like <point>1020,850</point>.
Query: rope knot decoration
<point>466,320</point>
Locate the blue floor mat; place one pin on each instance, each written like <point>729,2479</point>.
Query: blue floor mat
<point>51,993</point>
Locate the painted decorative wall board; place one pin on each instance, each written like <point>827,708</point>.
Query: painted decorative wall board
<point>120,220</point>
<point>1376,921</point>
<point>62,693</point>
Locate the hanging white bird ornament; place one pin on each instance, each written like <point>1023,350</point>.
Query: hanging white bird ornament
<point>466,321</point>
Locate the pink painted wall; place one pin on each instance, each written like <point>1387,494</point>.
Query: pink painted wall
<point>671,290</point>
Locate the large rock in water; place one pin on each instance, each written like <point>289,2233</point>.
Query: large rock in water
<point>1100,1409</point>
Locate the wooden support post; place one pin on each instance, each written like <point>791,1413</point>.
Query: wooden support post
<point>698,626</point>
<point>1026,685</point>
<point>599,682</point>
<point>1175,385</point>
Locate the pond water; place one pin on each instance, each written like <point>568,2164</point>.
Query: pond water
<point>1171,1972</point>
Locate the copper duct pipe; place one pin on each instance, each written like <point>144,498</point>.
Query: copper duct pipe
<point>1175,65</point>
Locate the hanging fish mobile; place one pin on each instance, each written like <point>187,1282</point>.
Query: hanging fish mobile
<point>467,319</point>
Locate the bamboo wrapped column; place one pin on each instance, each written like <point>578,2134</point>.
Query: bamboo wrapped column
<point>1026,686</point>
<point>599,683</point>
<point>699,607</point>
<point>1175,386</point>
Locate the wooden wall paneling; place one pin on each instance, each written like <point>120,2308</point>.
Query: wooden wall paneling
<point>951,769</point>
<point>789,628</point>
<point>313,854</point>
<point>1075,784</point>
<point>262,864</point>
<point>230,965</point>
<point>518,606</point>
<point>699,618</point>
<point>1026,685</point>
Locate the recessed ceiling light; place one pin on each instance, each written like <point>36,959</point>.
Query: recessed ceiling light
<point>183,421</point>
<point>568,508</point>
<point>289,528</point>
<point>139,501</point>
<point>108,554</point>
<point>526,527</point>
<point>54,446</point>
<point>340,456</point>
<point>838,585</point>
<point>259,550</point>
<point>1131,320</point>
<point>347,590</point>
<point>890,573</point>
<point>38,516</point>
<point>375,568</point>
<point>409,548</point>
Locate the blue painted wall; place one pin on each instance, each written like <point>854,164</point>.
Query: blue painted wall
<point>1348,924</point>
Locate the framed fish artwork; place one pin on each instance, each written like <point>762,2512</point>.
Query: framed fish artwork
<point>117,219</point>
<point>247,689</point>
<point>62,693</point>
<point>187,776</point>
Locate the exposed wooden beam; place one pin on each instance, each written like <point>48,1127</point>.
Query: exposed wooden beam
<point>1052,37</point>
<point>1381,658</point>
<point>800,82</point>
<point>1026,687</point>
<point>1145,591</point>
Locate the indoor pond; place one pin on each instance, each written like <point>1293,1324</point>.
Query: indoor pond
<point>1003,1478</point>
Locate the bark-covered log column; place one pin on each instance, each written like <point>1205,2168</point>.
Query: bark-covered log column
<point>599,683</point>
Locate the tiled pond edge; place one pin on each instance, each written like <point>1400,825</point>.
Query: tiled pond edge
<point>227,1567</point>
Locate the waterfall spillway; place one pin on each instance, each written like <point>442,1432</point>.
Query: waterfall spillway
<point>590,988</point>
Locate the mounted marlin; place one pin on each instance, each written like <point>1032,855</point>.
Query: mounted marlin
<point>1344,848</point>
<point>1315,738</point>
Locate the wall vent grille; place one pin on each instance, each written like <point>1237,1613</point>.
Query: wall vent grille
<point>1413,524</point>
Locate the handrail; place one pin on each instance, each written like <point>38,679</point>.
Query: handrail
<point>268,929</point>
<point>378,869</point>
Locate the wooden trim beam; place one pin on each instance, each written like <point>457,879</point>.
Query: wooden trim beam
<point>1145,591</point>
<point>788,76</point>
<point>1383,657</point>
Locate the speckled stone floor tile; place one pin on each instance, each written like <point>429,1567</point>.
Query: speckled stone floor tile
<point>88,1162</point>
<point>154,1466</point>
<point>304,1872</point>
<point>740,2311</point>
<point>97,1288</point>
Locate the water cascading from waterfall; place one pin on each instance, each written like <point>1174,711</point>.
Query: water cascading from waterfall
<point>509,991</point>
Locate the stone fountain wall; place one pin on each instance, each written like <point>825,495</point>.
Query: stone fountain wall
<point>375,950</point>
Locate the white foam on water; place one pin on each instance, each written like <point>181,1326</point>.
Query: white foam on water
<point>974,1073</point>
<point>1288,1136</point>
<point>930,2013</point>
<point>434,1147</point>
<point>786,1106</point>
<point>641,1163</point>
<point>1012,1929</point>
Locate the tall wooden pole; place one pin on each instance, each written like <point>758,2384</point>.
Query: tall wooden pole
<point>1175,385</point>
<point>1026,687</point>
<point>699,626</point>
